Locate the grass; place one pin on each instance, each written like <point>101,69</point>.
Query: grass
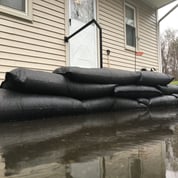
<point>175,82</point>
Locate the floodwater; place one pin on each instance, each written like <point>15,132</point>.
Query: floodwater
<point>139,144</point>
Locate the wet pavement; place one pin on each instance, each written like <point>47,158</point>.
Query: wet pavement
<point>139,144</point>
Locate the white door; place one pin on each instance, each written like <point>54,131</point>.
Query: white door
<point>83,46</point>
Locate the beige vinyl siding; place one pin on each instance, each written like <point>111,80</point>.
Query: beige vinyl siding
<point>40,44</point>
<point>148,37</point>
<point>111,18</point>
<point>36,45</point>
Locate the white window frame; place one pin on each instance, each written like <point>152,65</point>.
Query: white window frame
<point>132,48</point>
<point>27,15</point>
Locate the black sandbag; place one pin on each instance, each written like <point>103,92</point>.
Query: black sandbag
<point>89,91</point>
<point>163,101</point>
<point>112,104</point>
<point>144,101</point>
<point>169,89</point>
<point>176,95</point>
<point>99,104</point>
<point>162,115</point>
<point>154,78</point>
<point>100,76</point>
<point>136,91</point>
<point>15,106</point>
<point>30,81</point>
<point>37,82</point>
<point>127,104</point>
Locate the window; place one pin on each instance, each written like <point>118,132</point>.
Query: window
<point>19,8</point>
<point>130,26</point>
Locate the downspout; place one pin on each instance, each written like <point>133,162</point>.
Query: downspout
<point>159,44</point>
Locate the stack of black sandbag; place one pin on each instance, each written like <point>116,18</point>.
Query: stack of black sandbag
<point>132,90</point>
<point>72,90</point>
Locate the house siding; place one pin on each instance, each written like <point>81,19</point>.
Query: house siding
<point>39,44</point>
<point>36,45</point>
<point>111,19</point>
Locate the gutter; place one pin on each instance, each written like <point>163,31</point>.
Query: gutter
<point>167,13</point>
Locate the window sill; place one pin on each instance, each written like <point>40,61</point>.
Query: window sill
<point>16,13</point>
<point>129,48</point>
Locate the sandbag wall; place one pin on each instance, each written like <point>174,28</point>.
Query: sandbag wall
<point>71,90</point>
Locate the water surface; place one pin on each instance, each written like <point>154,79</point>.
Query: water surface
<point>139,144</point>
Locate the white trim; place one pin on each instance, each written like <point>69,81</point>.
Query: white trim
<point>160,67</point>
<point>97,33</point>
<point>95,3</point>
<point>68,43</point>
<point>27,15</point>
<point>67,14</point>
<point>135,25</point>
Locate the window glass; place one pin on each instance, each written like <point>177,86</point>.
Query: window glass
<point>82,10</point>
<point>130,26</point>
<point>14,4</point>
<point>130,36</point>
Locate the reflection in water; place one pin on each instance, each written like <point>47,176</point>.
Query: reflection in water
<point>172,155</point>
<point>135,168</point>
<point>110,145</point>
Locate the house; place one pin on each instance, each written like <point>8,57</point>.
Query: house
<point>32,34</point>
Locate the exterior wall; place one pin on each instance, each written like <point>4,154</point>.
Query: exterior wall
<point>111,18</point>
<point>38,44</point>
